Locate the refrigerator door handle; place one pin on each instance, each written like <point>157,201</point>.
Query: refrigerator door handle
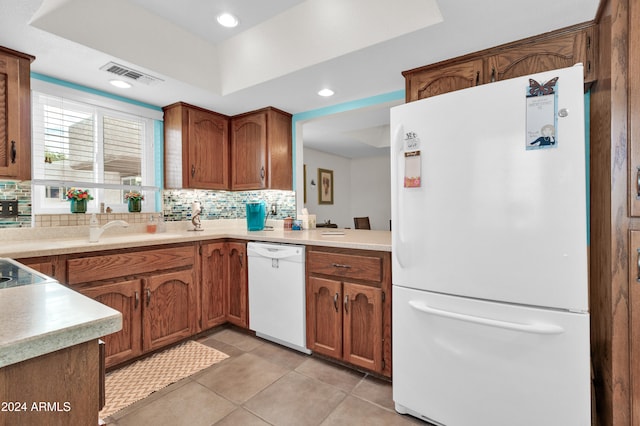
<point>526,328</point>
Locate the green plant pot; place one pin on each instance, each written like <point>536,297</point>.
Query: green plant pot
<point>78,206</point>
<point>135,206</point>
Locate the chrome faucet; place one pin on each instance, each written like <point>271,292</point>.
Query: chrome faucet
<point>95,230</point>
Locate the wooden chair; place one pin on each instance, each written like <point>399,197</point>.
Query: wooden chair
<point>361,222</point>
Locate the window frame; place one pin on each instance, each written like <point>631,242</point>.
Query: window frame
<point>102,105</point>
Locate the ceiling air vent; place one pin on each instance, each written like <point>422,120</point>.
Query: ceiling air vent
<point>130,73</point>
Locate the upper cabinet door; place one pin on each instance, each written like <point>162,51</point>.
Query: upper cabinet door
<point>249,151</point>
<point>15,115</point>
<point>422,84</point>
<point>196,148</point>
<point>208,150</point>
<point>562,51</point>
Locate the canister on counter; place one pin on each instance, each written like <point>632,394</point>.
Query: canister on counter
<point>288,223</point>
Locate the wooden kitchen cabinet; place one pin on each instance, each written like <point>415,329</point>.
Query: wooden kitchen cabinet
<point>15,114</point>
<point>558,49</point>
<point>237,294</point>
<point>214,265</point>
<point>196,148</point>
<point>126,298</point>
<point>561,51</point>
<point>634,112</point>
<point>428,82</point>
<point>261,152</point>
<point>169,313</point>
<point>154,289</point>
<point>59,388</point>
<point>349,306</point>
<point>224,292</point>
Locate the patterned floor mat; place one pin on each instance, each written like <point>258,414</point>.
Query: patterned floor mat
<point>140,379</point>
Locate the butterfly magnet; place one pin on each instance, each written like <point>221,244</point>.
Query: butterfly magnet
<point>542,106</point>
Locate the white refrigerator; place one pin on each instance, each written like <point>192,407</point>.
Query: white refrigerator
<point>489,248</point>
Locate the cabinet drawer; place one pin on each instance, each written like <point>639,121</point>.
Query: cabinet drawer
<point>95,268</point>
<point>345,265</point>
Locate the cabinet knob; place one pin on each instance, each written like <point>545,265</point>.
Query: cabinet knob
<point>262,173</point>
<point>14,153</point>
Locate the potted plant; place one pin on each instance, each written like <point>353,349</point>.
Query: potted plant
<point>134,201</point>
<point>78,198</point>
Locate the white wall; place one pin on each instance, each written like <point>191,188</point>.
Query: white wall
<point>370,193</point>
<point>361,188</point>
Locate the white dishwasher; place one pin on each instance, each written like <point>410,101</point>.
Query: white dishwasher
<point>277,293</point>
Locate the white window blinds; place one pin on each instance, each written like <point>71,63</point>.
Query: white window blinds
<point>76,144</point>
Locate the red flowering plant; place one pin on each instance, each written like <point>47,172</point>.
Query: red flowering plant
<point>78,194</point>
<point>133,195</point>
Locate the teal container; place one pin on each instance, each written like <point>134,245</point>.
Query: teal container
<point>256,213</point>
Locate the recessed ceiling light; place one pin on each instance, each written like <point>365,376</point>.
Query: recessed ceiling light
<point>121,84</point>
<point>325,92</point>
<point>227,20</point>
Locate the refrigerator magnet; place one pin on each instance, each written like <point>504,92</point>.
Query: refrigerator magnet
<point>542,114</point>
<point>412,169</point>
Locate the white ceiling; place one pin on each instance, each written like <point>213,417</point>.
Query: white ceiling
<point>281,54</point>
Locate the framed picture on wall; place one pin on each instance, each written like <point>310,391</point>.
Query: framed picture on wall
<point>325,180</point>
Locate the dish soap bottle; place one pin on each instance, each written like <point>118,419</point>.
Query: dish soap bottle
<point>151,225</point>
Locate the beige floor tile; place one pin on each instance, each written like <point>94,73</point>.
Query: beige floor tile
<point>238,379</point>
<point>377,391</point>
<point>356,412</point>
<point>295,400</point>
<point>333,374</point>
<point>238,339</point>
<point>190,405</point>
<point>280,355</point>
<point>226,348</point>
<point>241,417</point>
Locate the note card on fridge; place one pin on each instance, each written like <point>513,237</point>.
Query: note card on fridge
<point>412,169</point>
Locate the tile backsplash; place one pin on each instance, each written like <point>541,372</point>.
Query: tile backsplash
<point>176,206</point>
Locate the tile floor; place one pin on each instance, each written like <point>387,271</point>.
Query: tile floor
<point>262,383</point>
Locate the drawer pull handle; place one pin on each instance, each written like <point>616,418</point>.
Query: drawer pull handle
<point>148,296</point>
<point>346,304</point>
<point>335,301</point>
<point>340,265</point>
<point>638,182</point>
<point>193,170</point>
<point>14,152</point>
<point>137,300</point>
<point>638,266</point>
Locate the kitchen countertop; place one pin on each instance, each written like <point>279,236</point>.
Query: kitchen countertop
<point>48,242</point>
<point>41,318</point>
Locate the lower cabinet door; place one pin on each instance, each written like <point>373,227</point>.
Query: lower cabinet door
<point>169,314</point>
<point>324,316</point>
<point>237,299</point>
<point>214,279</point>
<point>362,326</point>
<point>124,297</point>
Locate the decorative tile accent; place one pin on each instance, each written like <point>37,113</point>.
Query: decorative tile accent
<point>176,206</point>
<point>224,204</point>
